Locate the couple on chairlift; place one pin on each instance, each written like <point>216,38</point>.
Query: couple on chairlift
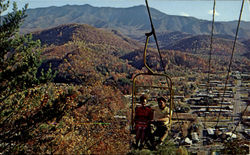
<point>145,115</point>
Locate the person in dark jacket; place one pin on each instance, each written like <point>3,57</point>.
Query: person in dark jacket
<point>143,115</point>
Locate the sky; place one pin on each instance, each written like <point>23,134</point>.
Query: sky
<point>226,10</point>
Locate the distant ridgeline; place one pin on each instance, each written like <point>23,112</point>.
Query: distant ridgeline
<point>59,25</point>
<point>131,21</point>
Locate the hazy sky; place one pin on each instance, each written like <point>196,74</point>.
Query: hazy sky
<point>226,10</point>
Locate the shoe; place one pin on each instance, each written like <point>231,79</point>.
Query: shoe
<point>158,142</point>
<point>161,143</point>
<point>152,148</point>
<point>134,146</point>
<point>141,147</point>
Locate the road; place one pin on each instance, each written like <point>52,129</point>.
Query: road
<point>238,105</point>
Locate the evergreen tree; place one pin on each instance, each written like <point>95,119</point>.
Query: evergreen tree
<point>19,78</point>
<point>19,55</point>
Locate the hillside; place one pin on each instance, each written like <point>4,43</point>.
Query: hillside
<point>133,21</point>
<point>247,44</point>
<point>97,80</point>
<point>200,44</point>
<point>82,32</point>
<point>166,38</point>
<point>173,60</point>
<point>117,58</point>
<point>81,51</point>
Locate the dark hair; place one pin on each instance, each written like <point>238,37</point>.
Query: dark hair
<point>143,97</point>
<point>161,99</point>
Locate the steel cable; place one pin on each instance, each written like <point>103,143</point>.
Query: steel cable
<point>231,59</point>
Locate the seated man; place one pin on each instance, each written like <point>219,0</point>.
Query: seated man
<point>162,119</point>
<point>143,115</point>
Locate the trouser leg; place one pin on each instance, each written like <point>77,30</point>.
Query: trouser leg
<point>138,135</point>
<point>164,133</point>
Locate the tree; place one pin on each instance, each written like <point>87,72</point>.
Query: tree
<point>19,55</point>
<point>236,146</point>
<point>19,65</point>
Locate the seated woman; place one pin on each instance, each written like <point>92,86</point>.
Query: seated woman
<point>143,115</point>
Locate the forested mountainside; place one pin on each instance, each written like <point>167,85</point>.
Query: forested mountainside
<point>75,32</point>
<point>168,38</point>
<point>131,21</point>
<point>111,56</point>
<point>200,44</point>
<point>76,111</point>
<point>247,44</point>
<point>108,55</point>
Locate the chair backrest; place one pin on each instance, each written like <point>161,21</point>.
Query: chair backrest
<point>154,85</point>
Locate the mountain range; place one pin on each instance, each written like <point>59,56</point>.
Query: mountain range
<point>120,32</point>
<point>92,50</point>
<point>132,22</point>
<point>87,51</point>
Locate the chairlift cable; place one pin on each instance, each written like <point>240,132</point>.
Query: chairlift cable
<point>209,61</point>
<point>230,63</point>
<point>211,48</point>
<point>155,37</point>
<point>158,49</point>
<point>241,118</point>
